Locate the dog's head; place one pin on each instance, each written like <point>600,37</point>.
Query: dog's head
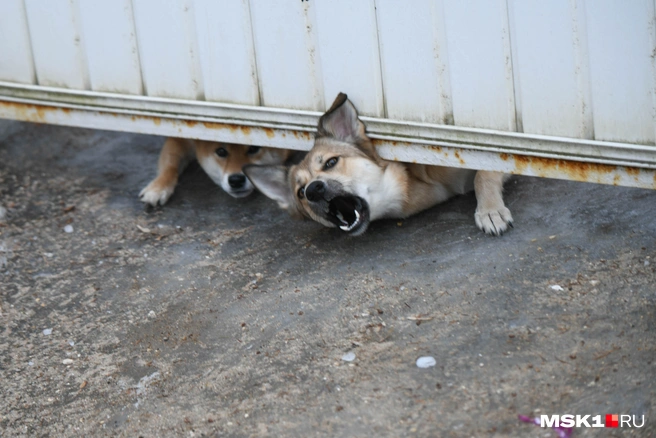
<point>338,183</point>
<point>223,162</point>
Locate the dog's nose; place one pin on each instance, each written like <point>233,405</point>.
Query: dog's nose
<point>315,190</point>
<point>237,180</point>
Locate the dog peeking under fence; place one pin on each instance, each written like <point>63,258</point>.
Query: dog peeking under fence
<point>342,182</point>
<point>222,162</point>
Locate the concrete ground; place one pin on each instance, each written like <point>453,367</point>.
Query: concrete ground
<point>215,316</point>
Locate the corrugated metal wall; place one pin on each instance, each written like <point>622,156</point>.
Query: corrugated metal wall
<point>579,69</point>
<point>573,68</point>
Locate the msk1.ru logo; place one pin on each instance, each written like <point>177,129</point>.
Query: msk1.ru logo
<point>611,420</point>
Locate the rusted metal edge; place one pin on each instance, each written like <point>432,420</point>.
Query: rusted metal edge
<point>422,133</point>
<point>297,137</point>
<point>519,164</point>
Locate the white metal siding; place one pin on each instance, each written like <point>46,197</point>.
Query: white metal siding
<point>226,51</point>
<point>480,64</point>
<point>110,45</point>
<point>168,48</point>
<point>59,55</point>
<point>286,50</point>
<point>15,48</point>
<point>622,69</point>
<point>574,69</point>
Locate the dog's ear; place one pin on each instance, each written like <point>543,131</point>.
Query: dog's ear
<point>342,123</point>
<point>272,181</point>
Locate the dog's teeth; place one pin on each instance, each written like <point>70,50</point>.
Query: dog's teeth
<point>341,218</point>
<point>348,227</point>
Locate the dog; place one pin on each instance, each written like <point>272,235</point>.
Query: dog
<point>221,161</point>
<point>342,182</point>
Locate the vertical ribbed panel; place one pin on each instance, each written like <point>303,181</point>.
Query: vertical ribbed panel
<point>168,50</point>
<point>622,52</point>
<point>111,46</point>
<point>55,33</point>
<point>348,47</point>
<point>289,65</point>
<point>227,57</point>
<point>551,75</point>
<point>480,64</point>
<point>15,49</point>
<point>413,50</point>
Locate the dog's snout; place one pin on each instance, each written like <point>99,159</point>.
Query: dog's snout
<point>315,190</point>
<point>237,180</point>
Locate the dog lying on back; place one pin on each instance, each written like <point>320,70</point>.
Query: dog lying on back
<point>221,161</point>
<point>342,182</point>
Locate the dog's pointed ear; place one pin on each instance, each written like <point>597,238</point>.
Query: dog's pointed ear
<point>342,123</point>
<point>272,181</point>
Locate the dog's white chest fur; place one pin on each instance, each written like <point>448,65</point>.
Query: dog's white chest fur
<point>381,188</point>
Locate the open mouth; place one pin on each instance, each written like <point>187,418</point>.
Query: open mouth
<point>349,213</point>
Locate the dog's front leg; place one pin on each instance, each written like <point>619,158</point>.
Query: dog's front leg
<point>174,157</point>
<point>491,216</point>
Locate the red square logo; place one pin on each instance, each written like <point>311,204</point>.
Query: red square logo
<point>612,420</point>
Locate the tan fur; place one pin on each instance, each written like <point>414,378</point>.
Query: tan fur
<point>351,185</point>
<point>177,153</point>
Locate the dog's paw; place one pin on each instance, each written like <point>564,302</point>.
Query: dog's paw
<point>155,193</point>
<point>494,221</point>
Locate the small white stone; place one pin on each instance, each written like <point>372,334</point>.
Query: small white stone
<point>152,314</point>
<point>426,362</point>
<point>349,357</point>
<point>67,361</point>
<point>556,288</point>
<point>47,331</point>
<point>30,363</point>
<point>68,228</point>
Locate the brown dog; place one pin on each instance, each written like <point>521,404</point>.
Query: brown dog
<point>342,182</point>
<point>221,161</point>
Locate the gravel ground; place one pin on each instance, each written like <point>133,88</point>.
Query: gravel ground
<point>215,316</point>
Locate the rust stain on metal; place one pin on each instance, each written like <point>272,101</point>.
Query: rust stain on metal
<point>269,132</point>
<point>632,171</point>
<point>303,135</point>
<point>215,125</point>
<point>460,160</point>
<point>574,170</point>
<point>29,112</point>
<point>616,180</point>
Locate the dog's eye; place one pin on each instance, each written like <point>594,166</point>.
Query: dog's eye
<point>253,150</point>
<point>221,152</point>
<point>330,163</point>
<point>301,193</point>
